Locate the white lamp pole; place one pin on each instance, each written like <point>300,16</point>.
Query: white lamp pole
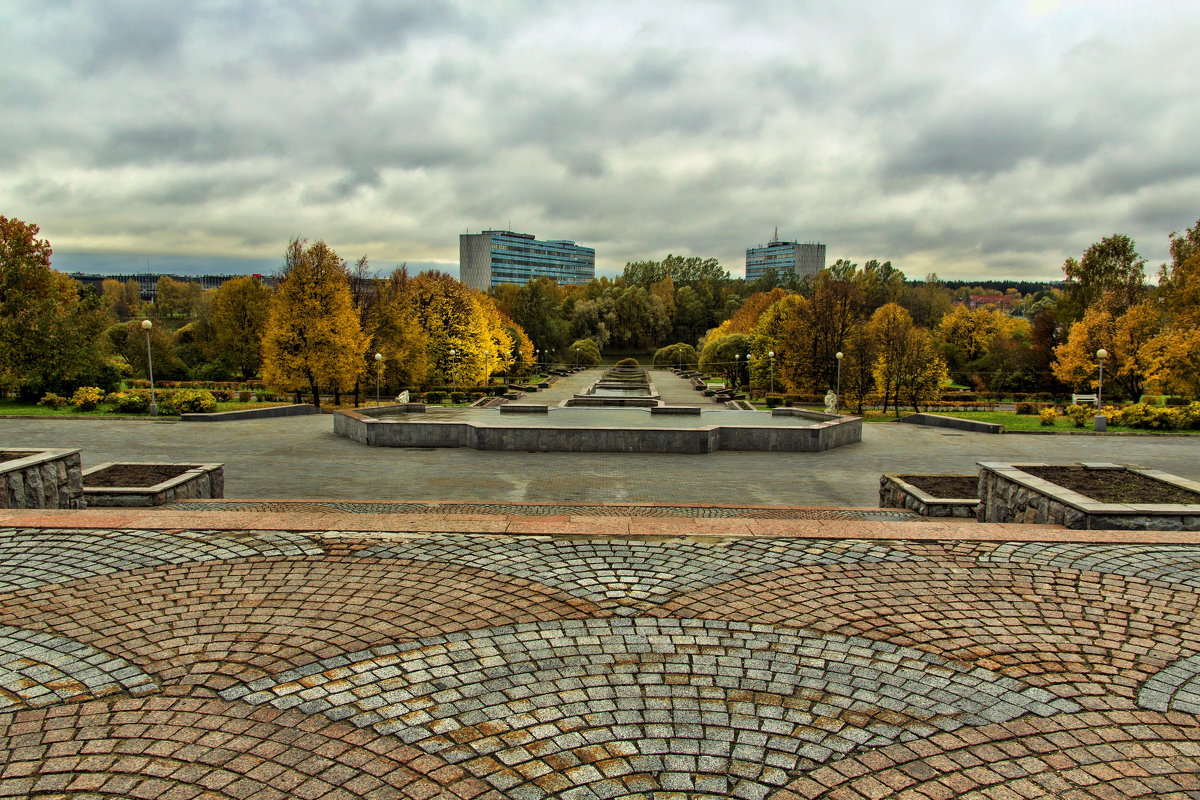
<point>378,375</point>
<point>146,326</point>
<point>771,355</point>
<point>839,355</point>
<point>1101,422</point>
<point>452,352</point>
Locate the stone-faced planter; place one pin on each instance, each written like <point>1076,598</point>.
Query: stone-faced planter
<point>1009,493</point>
<point>36,478</point>
<point>903,491</point>
<point>151,483</point>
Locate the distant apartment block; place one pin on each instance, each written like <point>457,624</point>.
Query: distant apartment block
<point>494,257</point>
<point>148,282</point>
<point>801,259</point>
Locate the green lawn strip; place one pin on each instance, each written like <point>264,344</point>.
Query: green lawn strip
<point>17,408</point>
<point>1030,422</point>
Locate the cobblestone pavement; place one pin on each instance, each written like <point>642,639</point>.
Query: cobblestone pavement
<point>280,664</point>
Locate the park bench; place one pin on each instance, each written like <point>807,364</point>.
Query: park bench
<point>1082,399</point>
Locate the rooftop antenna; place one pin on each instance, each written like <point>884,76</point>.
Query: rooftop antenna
<point>775,238</point>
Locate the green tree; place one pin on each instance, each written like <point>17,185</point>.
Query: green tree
<point>583,351</point>
<point>680,355</point>
<point>726,357</point>
<point>312,336</point>
<point>1110,273</point>
<point>175,298</point>
<point>48,329</point>
<point>238,322</point>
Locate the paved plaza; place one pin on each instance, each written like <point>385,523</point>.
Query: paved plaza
<point>384,623</point>
<point>180,663</point>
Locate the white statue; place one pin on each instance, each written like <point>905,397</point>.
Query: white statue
<point>831,402</point>
<point>402,397</point>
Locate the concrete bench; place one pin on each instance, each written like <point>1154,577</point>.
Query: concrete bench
<point>1082,399</point>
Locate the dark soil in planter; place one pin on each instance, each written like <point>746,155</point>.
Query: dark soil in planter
<point>134,475</point>
<point>9,455</point>
<point>1113,485</point>
<point>947,487</point>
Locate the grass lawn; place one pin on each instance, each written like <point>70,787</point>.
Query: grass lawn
<point>17,408</point>
<point>1030,422</point>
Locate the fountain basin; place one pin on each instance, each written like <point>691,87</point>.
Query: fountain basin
<point>611,430</point>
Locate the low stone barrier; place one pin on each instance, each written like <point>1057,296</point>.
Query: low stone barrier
<point>938,421</point>
<point>37,478</point>
<point>896,492</point>
<point>1008,494</point>
<point>830,430</point>
<point>200,482</point>
<point>270,412</point>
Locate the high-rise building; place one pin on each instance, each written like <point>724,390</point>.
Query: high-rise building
<point>493,257</point>
<point>803,260</point>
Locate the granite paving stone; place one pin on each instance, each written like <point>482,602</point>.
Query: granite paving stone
<point>199,662</point>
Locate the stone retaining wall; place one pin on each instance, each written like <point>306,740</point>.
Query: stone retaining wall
<point>41,479</point>
<point>1008,494</point>
<point>200,482</point>
<point>895,492</point>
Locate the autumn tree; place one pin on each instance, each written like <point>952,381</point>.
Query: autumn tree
<point>396,332</point>
<point>465,337</point>
<point>122,299</point>
<point>1179,281</point>
<point>859,356</point>
<point>908,367</point>
<point>238,322</point>
<point>48,330</point>
<point>583,352</point>
<point>1110,272</point>
<point>174,298</point>
<point>727,357</point>
<point>312,336</point>
<point>785,329</point>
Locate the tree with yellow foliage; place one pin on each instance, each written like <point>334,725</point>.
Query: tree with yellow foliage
<point>465,333</point>
<point>908,367</point>
<point>238,321</point>
<point>312,337</point>
<point>1124,338</point>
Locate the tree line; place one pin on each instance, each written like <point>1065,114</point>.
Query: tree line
<point>901,340</point>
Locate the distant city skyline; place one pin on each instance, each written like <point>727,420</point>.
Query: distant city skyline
<point>972,138</point>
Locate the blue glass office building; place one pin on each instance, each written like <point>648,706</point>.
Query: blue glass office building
<point>804,260</point>
<point>494,257</point>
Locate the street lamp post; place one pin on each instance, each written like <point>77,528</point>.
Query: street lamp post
<point>378,376</point>
<point>771,355</point>
<point>452,352</point>
<point>838,355</point>
<point>146,326</point>
<point>737,370</point>
<point>1100,421</point>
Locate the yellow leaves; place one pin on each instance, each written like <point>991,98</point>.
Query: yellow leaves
<point>312,337</point>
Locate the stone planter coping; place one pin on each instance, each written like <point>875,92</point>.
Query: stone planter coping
<point>36,456</point>
<point>939,421</point>
<point>523,408</point>
<point>929,499</point>
<point>1086,504</point>
<point>159,493</point>
<point>675,410</point>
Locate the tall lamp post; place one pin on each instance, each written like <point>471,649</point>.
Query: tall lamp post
<point>737,370</point>
<point>1101,421</point>
<point>146,326</point>
<point>771,355</point>
<point>452,352</point>
<point>378,376</point>
<point>839,355</point>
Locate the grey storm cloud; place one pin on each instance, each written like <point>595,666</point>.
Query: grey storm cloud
<point>968,138</point>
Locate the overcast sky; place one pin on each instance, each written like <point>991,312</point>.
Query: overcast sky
<point>974,139</point>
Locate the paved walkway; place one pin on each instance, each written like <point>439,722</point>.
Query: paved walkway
<point>178,661</point>
<point>301,458</point>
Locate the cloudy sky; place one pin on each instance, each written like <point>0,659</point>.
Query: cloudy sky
<point>971,138</point>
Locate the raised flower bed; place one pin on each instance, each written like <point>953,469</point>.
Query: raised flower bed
<point>1088,497</point>
<point>37,478</point>
<point>151,484</point>
<point>931,495</point>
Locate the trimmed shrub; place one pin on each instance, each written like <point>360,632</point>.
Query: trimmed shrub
<point>475,396</point>
<point>245,396</point>
<point>1047,416</point>
<point>1027,408</point>
<point>458,397</point>
<point>129,402</point>
<point>628,362</point>
<point>434,396</point>
<point>52,400</point>
<point>222,395</point>
<point>774,401</point>
<point>87,398</point>
<point>1080,415</point>
<point>194,401</point>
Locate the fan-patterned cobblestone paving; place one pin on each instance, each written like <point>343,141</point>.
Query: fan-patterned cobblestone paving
<point>194,664</point>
